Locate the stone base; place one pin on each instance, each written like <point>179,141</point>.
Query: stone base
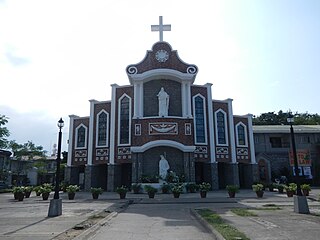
<point>55,208</point>
<point>301,204</point>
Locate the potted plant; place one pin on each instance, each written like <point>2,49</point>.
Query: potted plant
<point>258,188</point>
<point>280,188</point>
<point>150,190</point>
<point>45,192</point>
<point>191,187</point>
<point>204,188</point>
<point>37,189</point>
<point>271,187</point>
<point>165,188</point>
<point>27,191</point>
<point>291,189</point>
<point>176,189</point>
<point>96,192</point>
<point>305,189</point>
<point>71,190</point>
<point>18,193</point>
<point>232,190</point>
<point>122,191</point>
<point>136,188</point>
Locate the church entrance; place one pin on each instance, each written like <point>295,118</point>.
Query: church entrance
<point>199,176</point>
<point>126,174</point>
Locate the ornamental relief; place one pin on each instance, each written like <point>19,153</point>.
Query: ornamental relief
<point>163,128</point>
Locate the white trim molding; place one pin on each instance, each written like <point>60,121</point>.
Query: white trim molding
<point>225,125</point>
<point>211,123</point>
<point>85,136</point>
<point>97,129</point>
<point>113,123</point>
<point>91,125</point>
<point>204,119</point>
<point>119,112</point>
<point>70,145</point>
<point>159,143</point>
<point>251,140</point>
<point>232,132</point>
<point>245,135</point>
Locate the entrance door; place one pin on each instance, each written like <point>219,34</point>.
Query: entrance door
<point>199,172</point>
<point>126,174</point>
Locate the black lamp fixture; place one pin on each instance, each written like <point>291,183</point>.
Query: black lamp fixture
<point>290,120</point>
<point>57,186</point>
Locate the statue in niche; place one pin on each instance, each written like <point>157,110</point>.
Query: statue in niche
<point>163,167</point>
<point>163,98</point>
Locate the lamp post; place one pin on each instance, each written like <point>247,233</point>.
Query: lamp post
<point>300,201</point>
<point>55,208</point>
<point>57,186</point>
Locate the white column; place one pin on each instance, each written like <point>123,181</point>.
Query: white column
<point>251,140</point>
<point>231,130</point>
<point>183,99</point>
<point>135,101</point>
<point>71,144</point>
<point>188,95</point>
<point>91,127</point>
<point>141,100</point>
<point>211,125</point>
<point>112,123</point>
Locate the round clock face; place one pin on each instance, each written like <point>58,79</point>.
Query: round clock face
<point>162,55</point>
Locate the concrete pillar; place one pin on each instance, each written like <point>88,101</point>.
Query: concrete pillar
<point>232,174</point>
<point>213,175</point>
<point>72,175</point>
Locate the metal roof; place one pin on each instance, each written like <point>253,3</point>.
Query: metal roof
<point>286,128</point>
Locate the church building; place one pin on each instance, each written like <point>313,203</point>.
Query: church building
<point>161,112</point>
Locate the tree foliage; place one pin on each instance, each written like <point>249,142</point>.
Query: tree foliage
<point>27,150</point>
<point>280,118</point>
<point>4,132</point>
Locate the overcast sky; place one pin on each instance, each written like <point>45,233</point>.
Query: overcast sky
<point>57,55</point>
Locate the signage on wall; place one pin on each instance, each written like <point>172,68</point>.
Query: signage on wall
<point>303,157</point>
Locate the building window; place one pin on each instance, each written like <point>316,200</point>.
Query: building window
<point>200,121</point>
<point>221,127</point>
<point>241,131</point>
<point>124,120</point>
<point>81,136</point>
<point>102,129</point>
<point>276,142</point>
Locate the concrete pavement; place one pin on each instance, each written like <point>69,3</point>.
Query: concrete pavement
<point>164,214</point>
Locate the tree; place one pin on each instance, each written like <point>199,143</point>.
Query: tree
<point>27,150</point>
<point>4,132</point>
<point>280,118</point>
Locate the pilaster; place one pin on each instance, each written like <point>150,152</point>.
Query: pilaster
<point>91,127</point>
<point>70,146</point>
<point>210,124</point>
<point>231,132</point>
<point>113,123</point>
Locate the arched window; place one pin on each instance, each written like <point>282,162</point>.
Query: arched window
<point>124,120</point>
<point>199,119</point>
<point>221,128</point>
<point>241,134</point>
<point>81,136</point>
<point>102,129</point>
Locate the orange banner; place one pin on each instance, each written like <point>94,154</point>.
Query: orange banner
<point>303,157</point>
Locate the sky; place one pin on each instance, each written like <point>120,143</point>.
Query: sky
<point>57,55</point>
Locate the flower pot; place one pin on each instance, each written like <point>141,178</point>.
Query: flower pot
<point>45,196</point>
<point>122,195</point>
<point>71,196</point>
<point>176,194</point>
<point>20,196</point>
<point>305,192</point>
<point>38,194</point>
<point>95,195</point>
<point>15,196</point>
<point>27,194</point>
<point>203,194</point>
<point>290,193</point>
<point>232,194</point>
<point>151,194</point>
<point>259,194</point>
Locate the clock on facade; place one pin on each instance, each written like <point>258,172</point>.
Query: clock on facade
<point>162,55</point>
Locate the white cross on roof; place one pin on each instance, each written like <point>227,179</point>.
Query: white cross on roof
<point>160,28</point>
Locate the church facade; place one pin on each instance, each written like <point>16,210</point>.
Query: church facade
<point>161,112</point>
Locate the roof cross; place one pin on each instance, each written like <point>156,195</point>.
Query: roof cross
<point>160,28</point>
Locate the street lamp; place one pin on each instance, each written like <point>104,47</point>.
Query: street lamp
<point>57,187</point>
<point>300,201</point>
<point>55,208</point>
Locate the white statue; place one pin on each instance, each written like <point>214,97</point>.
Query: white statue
<point>163,167</point>
<point>163,98</point>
